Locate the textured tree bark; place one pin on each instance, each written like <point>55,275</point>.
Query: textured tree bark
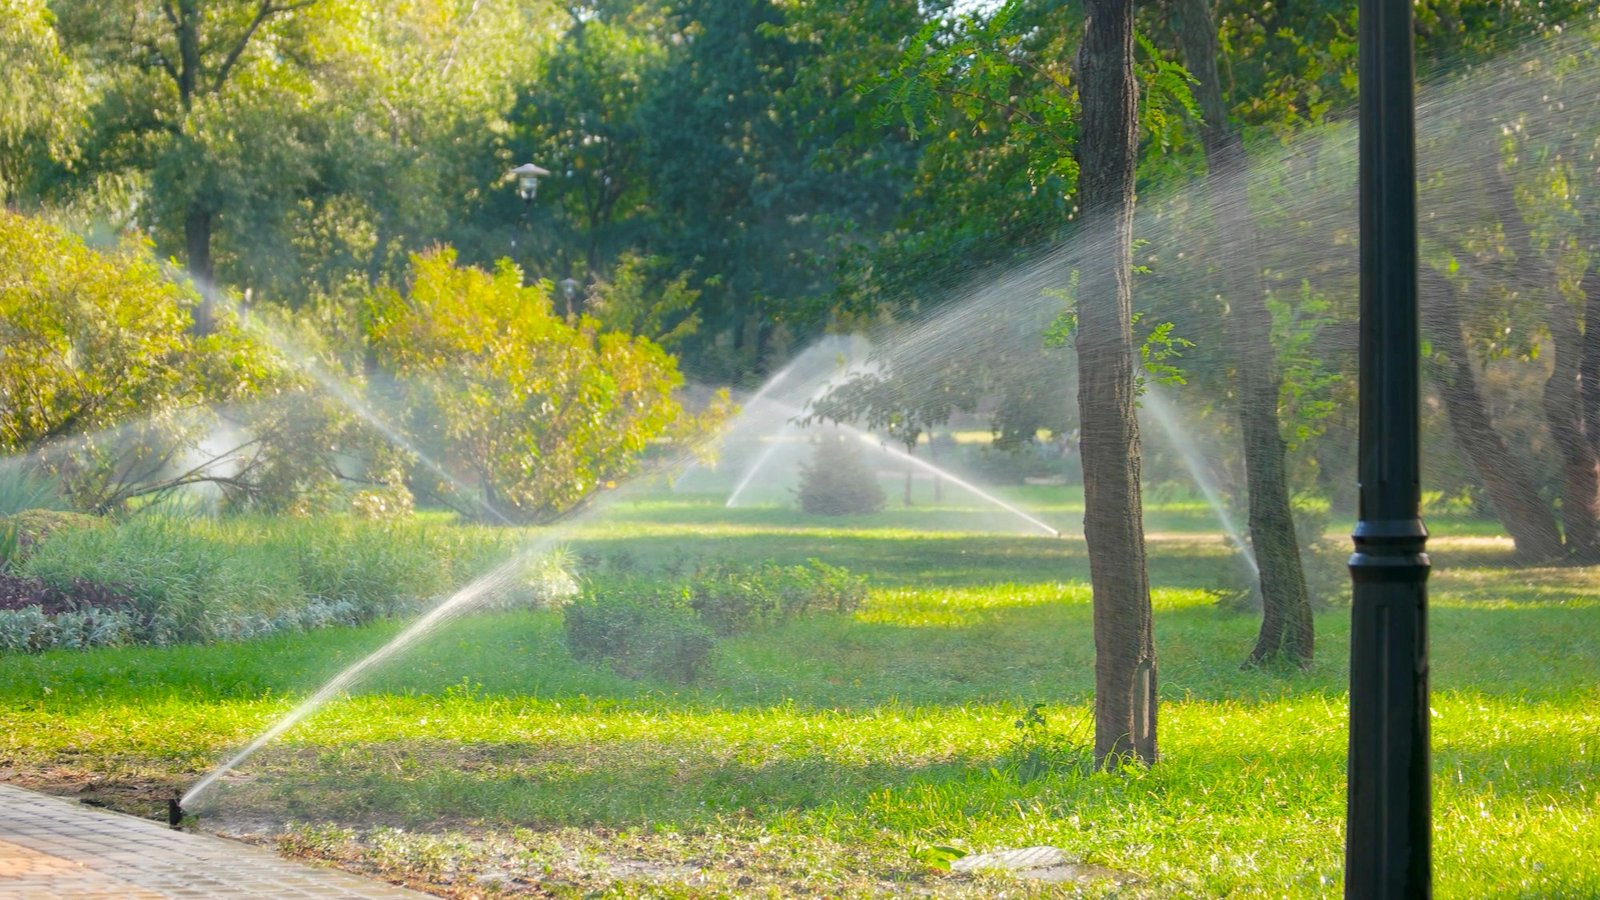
<point>197,247</point>
<point>1517,504</point>
<point>1562,400</point>
<point>1286,625</point>
<point>1563,412</point>
<point>1125,656</point>
<point>1589,362</point>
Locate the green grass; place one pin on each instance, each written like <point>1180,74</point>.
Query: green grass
<point>822,757</point>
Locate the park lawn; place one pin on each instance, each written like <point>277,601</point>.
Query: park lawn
<point>831,755</point>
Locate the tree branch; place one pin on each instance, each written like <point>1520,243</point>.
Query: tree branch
<point>265,11</point>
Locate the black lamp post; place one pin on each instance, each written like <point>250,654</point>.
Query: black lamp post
<point>1388,819</point>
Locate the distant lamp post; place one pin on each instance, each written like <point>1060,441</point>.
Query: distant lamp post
<point>528,176</point>
<point>569,291</point>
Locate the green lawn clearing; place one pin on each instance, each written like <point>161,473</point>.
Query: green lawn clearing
<point>837,755</point>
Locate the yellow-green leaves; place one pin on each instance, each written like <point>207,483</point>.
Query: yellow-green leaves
<point>542,410</point>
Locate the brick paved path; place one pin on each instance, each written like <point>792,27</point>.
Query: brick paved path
<point>55,848</point>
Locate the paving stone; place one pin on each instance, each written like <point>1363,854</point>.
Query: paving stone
<point>51,848</point>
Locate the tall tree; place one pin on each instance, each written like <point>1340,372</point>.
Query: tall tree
<point>1286,624</point>
<point>1125,654</point>
<point>198,98</point>
<point>43,95</point>
<point>1562,397</point>
<point>1522,512</point>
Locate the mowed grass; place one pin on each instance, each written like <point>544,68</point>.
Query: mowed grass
<point>827,756</point>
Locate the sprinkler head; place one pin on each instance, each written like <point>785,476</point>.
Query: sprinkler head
<point>174,813</point>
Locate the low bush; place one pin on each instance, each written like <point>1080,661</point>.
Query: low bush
<point>38,616</point>
<point>734,598</point>
<point>663,624</point>
<point>640,631</point>
<point>20,531</point>
<point>837,482</point>
<point>189,579</point>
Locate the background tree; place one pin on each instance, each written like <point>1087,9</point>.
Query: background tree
<point>1286,626</point>
<point>43,98</point>
<point>201,98</point>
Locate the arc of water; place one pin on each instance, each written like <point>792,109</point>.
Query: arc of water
<point>750,474</point>
<point>760,394</point>
<point>458,602</point>
<point>872,440</point>
<point>305,362</point>
<point>1166,417</point>
<point>789,427</point>
<point>897,453</point>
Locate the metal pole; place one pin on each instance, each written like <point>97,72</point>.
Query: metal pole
<point>1387,837</point>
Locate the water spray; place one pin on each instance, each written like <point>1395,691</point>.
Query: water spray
<point>872,440</point>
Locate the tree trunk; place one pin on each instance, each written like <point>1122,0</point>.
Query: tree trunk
<point>1517,504</point>
<point>1563,412</point>
<point>1287,631</point>
<point>197,245</point>
<point>911,468</point>
<point>1562,400</point>
<point>1125,655</point>
<point>1589,361</point>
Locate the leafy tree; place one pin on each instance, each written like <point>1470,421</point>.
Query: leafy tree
<point>100,381</point>
<point>540,411</point>
<point>43,98</point>
<point>202,98</point>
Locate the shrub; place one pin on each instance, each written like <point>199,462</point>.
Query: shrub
<point>37,616</point>
<point>19,533</point>
<point>542,409</point>
<point>663,625</point>
<point>190,579</point>
<point>640,630</point>
<point>837,482</point>
<point>734,598</point>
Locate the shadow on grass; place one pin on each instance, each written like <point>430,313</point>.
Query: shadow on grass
<point>690,785</point>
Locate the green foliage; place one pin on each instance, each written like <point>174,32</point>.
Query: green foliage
<point>542,411</point>
<point>663,625</point>
<point>640,299</point>
<point>21,489</point>
<point>195,580</point>
<point>737,598</point>
<point>22,531</point>
<point>43,97</point>
<point>837,481</point>
<point>87,340</point>
<point>1312,389</point>
<point>640,630</point>
<point>105,385</point>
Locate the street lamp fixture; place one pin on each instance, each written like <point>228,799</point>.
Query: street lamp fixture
<point>528,176</point>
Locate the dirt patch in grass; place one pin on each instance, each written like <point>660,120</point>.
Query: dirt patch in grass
<point>144,794</point>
